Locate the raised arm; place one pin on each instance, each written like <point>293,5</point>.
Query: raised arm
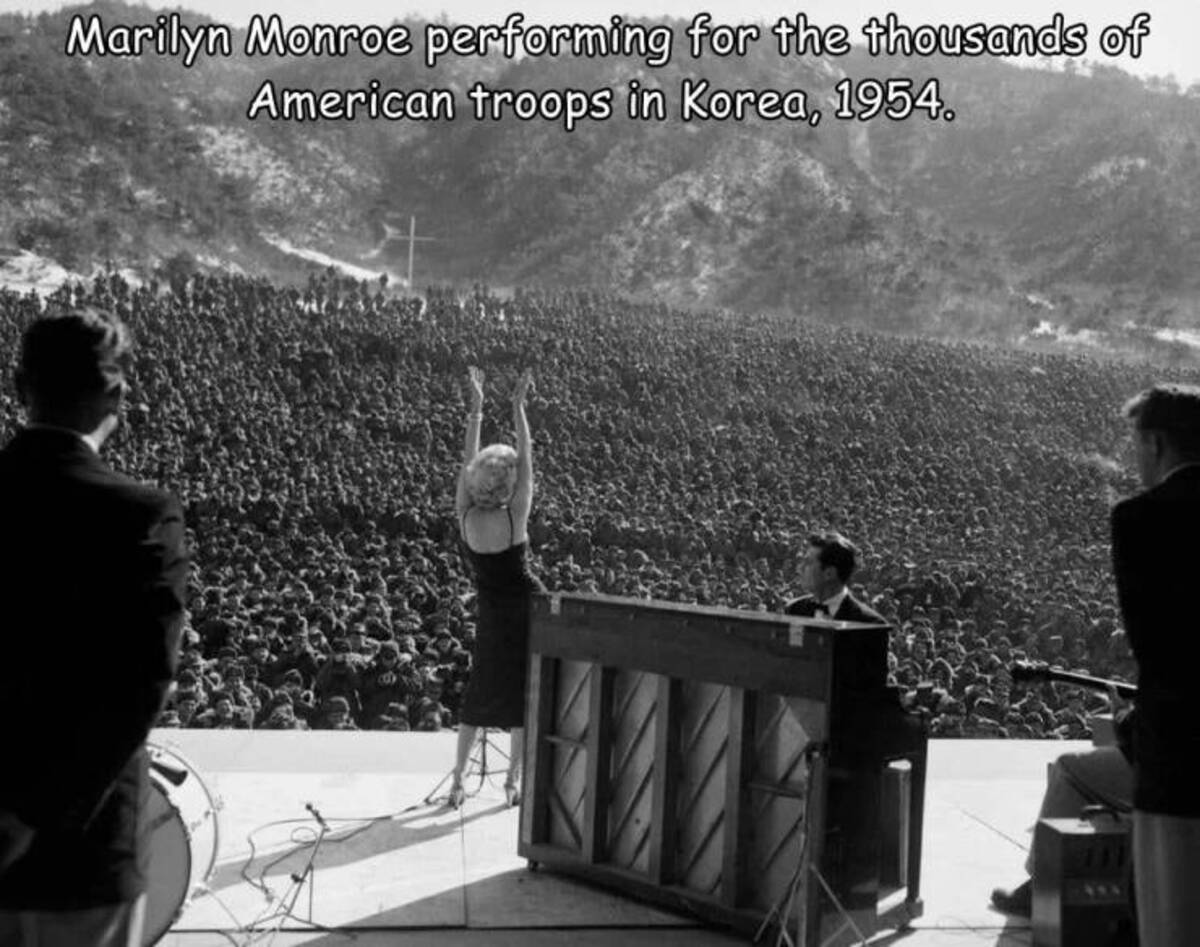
<point>522,499</point>
<point>462,501</point>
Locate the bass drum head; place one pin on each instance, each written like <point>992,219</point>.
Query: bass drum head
<point>170,874</point>
<point>180,839</point>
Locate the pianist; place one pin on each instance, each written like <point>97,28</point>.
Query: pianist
<point>824,571</point>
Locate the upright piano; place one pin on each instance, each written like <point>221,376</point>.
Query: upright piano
<point>752,769</point>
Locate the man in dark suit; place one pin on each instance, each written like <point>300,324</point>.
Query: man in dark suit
<point>1156,561</point>
<point>870,723</point>
<point>828,563</point>
<point>93,572</point>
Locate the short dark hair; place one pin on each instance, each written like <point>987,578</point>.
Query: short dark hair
<point>837,551</point>
<point>72,356</point>
<point>1171,409</point>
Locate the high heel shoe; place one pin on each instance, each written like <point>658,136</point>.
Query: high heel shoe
<point>457,796</point>
<point>512,794</point>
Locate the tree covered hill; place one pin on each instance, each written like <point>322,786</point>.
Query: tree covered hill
<point>1077,189</point>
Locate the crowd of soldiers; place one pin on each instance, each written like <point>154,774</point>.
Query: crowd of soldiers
<point>313,434</point>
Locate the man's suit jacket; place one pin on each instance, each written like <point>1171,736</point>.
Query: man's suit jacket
<point>851,609</point>
<point>865,665</point>
<point>92,580</point>
<point>868,718</point>
<point>1156,561</point>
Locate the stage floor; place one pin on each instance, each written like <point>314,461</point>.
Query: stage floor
<point>394,870</point>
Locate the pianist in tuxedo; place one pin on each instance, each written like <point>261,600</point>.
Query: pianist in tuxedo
<point>861,699</point>
<point>828,563</point>
<point>869,723</point>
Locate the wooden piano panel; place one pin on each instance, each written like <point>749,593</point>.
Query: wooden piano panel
<point>568,757</point>
<point>776,800</point>
<point>700,813</point>
<point>631,770</point>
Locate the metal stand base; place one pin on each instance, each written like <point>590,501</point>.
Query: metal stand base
<point>271,925</point>
<point>476,768</point>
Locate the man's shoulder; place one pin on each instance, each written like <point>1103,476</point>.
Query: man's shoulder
<point>147,496</point>
<point>1174,501</point>
<point>1134,501</point>
<point>804,606</point>
<point>855,610</point>
<point>118,498</point>
<point>46,466</point>
<point>1129,512</point>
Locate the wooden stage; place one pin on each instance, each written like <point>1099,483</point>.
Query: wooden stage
<point>393,870</point>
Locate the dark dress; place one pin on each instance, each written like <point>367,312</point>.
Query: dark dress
<point>495,694</point>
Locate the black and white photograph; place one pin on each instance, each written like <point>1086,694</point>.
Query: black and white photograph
<point>491,474</point>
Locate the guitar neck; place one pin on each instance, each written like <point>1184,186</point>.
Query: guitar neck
<point>1086,680</point>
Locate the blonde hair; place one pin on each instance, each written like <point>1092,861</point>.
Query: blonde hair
<point>491,476</point>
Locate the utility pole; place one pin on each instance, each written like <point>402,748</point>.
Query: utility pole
<point>412,242</point>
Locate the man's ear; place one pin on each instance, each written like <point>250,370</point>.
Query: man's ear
<point>114,396</point>
<point>117,391</point>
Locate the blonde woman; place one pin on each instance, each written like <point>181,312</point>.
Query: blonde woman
<point>495,493</point>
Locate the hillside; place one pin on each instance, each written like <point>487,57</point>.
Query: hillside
<point>1073,193</point>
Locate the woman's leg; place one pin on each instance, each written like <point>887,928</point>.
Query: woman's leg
<point>466,740</point>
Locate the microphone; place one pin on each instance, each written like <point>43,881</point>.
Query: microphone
<point>317,815</point>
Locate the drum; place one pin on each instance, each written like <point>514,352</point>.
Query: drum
<point>180,818</point>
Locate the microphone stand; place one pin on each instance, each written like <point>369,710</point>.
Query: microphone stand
<point>287,903</point>
<point>477,766</point>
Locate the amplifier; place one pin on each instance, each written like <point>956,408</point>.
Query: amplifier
<point>1082,871</point>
